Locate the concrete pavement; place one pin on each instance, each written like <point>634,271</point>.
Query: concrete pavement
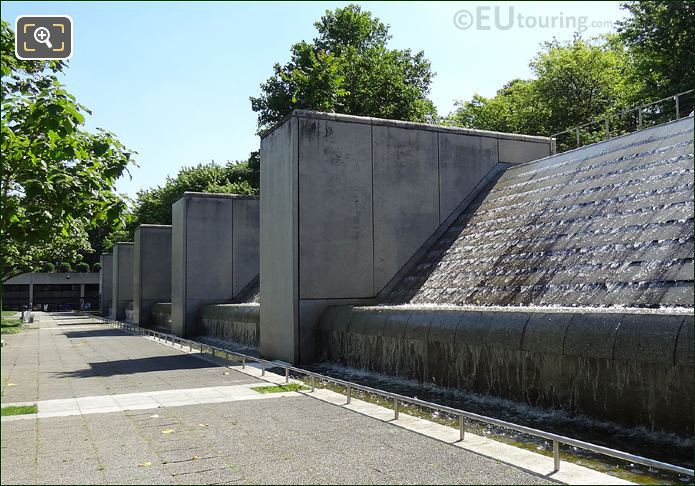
<point>292,438</point>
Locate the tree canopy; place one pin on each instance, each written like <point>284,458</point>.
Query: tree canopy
<point>576,82</point>
<point>153,206</point>
<point>660,36</point>
<point>348,69</point>
<point>57,178</point>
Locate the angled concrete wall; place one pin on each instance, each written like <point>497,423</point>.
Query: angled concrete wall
<point>348,201</point>
<point>105,283</point>
<point>151,270</point>
<point>215,252</point>
<point>122,279</point>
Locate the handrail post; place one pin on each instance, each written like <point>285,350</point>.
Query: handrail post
<point>639,118</point>
<point>608,130</point>
<point>349,394</point>
<point>462,427</point>
<point>287,375</point>
<point>262,369</point>
<point>243,362</point>
<point>556,454</point>
<point>678,111</point>
<point>396,408</point>
<point>577,137</point>
<point>313,384</point>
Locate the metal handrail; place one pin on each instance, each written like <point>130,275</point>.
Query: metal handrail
<point>398,399</point>
<point>638,109</point>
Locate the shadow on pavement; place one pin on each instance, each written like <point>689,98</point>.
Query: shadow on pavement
<point>95,333</point>
<point>138,365</point>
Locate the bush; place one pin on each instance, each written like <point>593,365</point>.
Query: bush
<point>96,267</point>
<point>65,267</point>
<point>48,267</point>
<point>82,267</point>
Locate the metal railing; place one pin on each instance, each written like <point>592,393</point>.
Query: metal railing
<point>400,399</point>
<point>633,118</point>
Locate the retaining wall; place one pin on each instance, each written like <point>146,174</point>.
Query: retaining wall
<point>151,270</point>
<point>105,284</point>
<point>122,283</point>
<point>215,253</point>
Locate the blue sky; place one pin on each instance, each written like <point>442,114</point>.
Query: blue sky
<point>173,79</point>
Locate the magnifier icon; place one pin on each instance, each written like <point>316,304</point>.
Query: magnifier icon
<point>43,36</point>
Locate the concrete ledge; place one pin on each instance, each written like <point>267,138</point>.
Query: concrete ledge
<point>408,125</point>
<point>238,323</point>
<point>626,367</point>
<point>161,314</point>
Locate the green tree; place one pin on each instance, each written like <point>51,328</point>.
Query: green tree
<point>574,83</point>
<point>57,178</point>
<point>153,206</point>
<point>348,69</point>
<point>660,36</point>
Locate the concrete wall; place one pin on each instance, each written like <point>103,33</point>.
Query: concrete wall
<point>625,366</point>
<point>214,253</point>
<point>105,283</point>
<point>122,283</point>
<point>347,203</point>
<point>151,270</point>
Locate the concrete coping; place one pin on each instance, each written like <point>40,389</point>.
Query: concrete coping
<point>678,311</point>
<point>403,124</point>
<point>129,243</point>
<point>154,226</point>
<point>218,195</point>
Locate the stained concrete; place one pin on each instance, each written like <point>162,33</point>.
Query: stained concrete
<point>238,323</point>
<point>122,282</point>
<point>279,243</point>
<point>105,283</point>
<point>215,253</point>
<point>352,200</point>
<point>151,270</point>
<point>629,367</point>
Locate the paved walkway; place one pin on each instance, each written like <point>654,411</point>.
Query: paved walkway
<point>117,408</point>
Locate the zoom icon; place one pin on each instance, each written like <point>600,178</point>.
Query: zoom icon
<point>43,37</point>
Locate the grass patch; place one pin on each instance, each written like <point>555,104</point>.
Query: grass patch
<point>19,410</point>
<point>288,387</point>
<point>10,326</point>
<point>8,313</point>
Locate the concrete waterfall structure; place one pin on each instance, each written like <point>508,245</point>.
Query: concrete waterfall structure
<point>347,201</point>
<point>567,283</point>
<point>467,258</point>
<point>106,283</point>
<point>151,270</point>
<point>215,258</point>
<point>122,283</point>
